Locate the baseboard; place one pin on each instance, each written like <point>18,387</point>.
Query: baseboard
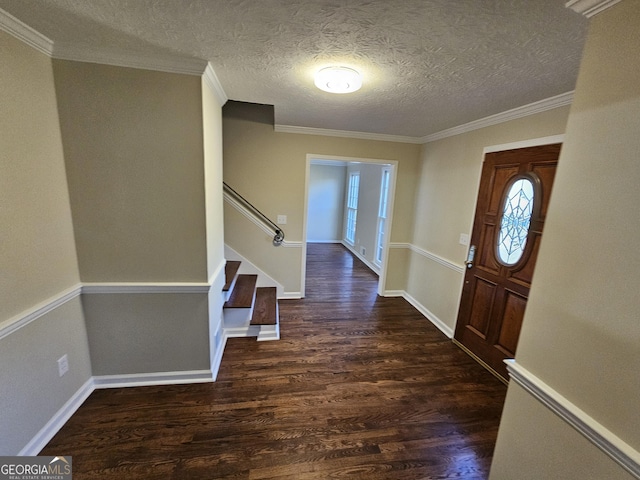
<point>290,296</point>
<point>46,433</point>
<point>440,325</point>
<point>240,332</point>
<point>360,257</point>
<point>217,359</point>
<point>154,378</point>
<point>600,436</point>
<point>394,293</point>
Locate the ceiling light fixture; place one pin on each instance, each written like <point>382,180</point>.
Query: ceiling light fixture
<point>338,80</point>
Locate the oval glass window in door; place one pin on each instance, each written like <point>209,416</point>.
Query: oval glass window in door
<point>516,219</point>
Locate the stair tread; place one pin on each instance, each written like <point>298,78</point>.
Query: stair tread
<point>265,311</point>
<point>230,271</point>
<point>243,292</point>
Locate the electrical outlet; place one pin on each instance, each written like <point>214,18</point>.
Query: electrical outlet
<point>282,220</point>
<point>63,365</point>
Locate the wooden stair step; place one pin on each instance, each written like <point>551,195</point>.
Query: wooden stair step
<point>243,292</point>
<point>230,271</point>
<point>265,311</point>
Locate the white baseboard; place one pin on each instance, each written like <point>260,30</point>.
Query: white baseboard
<point>440,325</point>
<point>375,269</point>
<point>46,433</point>
<point>290,296</point>
<point>154,378</point>
<point>221,342</point>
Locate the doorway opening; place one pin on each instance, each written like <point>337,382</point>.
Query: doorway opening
<point>350,201</point>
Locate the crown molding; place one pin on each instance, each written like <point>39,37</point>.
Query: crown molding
<point>561,100</point>
<point>25,33</point>
<point>211,79</point>
<point>513,114</point>
<point>120,58</point>
<point>589,8</point>
<point>346,134</point>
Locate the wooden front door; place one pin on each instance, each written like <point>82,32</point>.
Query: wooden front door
<point>515,188</point>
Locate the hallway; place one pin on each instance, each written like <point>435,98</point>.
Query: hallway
<point>359,386</point>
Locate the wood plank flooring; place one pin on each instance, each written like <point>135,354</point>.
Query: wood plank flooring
<point>358,387</point>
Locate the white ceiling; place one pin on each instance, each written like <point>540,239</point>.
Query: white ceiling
<point>428,65</point>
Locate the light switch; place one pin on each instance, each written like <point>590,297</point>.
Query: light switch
<point>464,239</point>
<point>282,220</point>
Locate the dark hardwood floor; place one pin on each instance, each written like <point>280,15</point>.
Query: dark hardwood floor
<point>358,387</point>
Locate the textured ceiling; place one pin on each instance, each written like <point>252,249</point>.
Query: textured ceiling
<point>428,65</point>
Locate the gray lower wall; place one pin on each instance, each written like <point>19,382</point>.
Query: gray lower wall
<point>32,392</point>
<point>133,333</point>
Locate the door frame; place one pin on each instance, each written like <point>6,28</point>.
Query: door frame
<point>393,164</point>
<point>534,142</point>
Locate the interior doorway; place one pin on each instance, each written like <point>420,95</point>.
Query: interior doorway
<point>362,224</point>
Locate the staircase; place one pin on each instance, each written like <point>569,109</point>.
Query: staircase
<point>249,311</point>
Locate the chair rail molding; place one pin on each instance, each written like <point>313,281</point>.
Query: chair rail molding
<point>599,435</point>
<point>589,8</point>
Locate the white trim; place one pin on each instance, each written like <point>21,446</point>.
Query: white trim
<point>345,161</point>
<point>68,51</point>
<point>221,343</point>
<point>429,315</point>
<point>46,433</point>
<point>211,80</point>
<point>18,321</point>
<point>589,8</point>
<point>374,268</point>
<point>25,33</point>
<point>153,378</point>
<point>600,436</point>
<point>326,162</point>
<point>217,276</point>
<point>120,58</point>
<point>290,296</point>
<point>141,287</point>
<point>534,142</point>
<point>346,134</point>
<point>15,323</point>
<point>431,256</point>
<point>513,114</point>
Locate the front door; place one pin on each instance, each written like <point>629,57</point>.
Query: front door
<point>515,188</point>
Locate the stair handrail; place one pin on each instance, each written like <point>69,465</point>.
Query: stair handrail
<point>279,233</point>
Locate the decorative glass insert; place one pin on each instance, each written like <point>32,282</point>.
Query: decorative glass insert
<point>516,218</point>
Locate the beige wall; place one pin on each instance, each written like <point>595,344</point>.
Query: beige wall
<point>133,143</point>
<point>581,333</point>
<point>447,188</point>
<point>269,169</point>
<point>37,252</point>
<point>540,445</point>
<point>326,203</point>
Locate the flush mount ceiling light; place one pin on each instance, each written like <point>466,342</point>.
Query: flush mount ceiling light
<point>338,80</point>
